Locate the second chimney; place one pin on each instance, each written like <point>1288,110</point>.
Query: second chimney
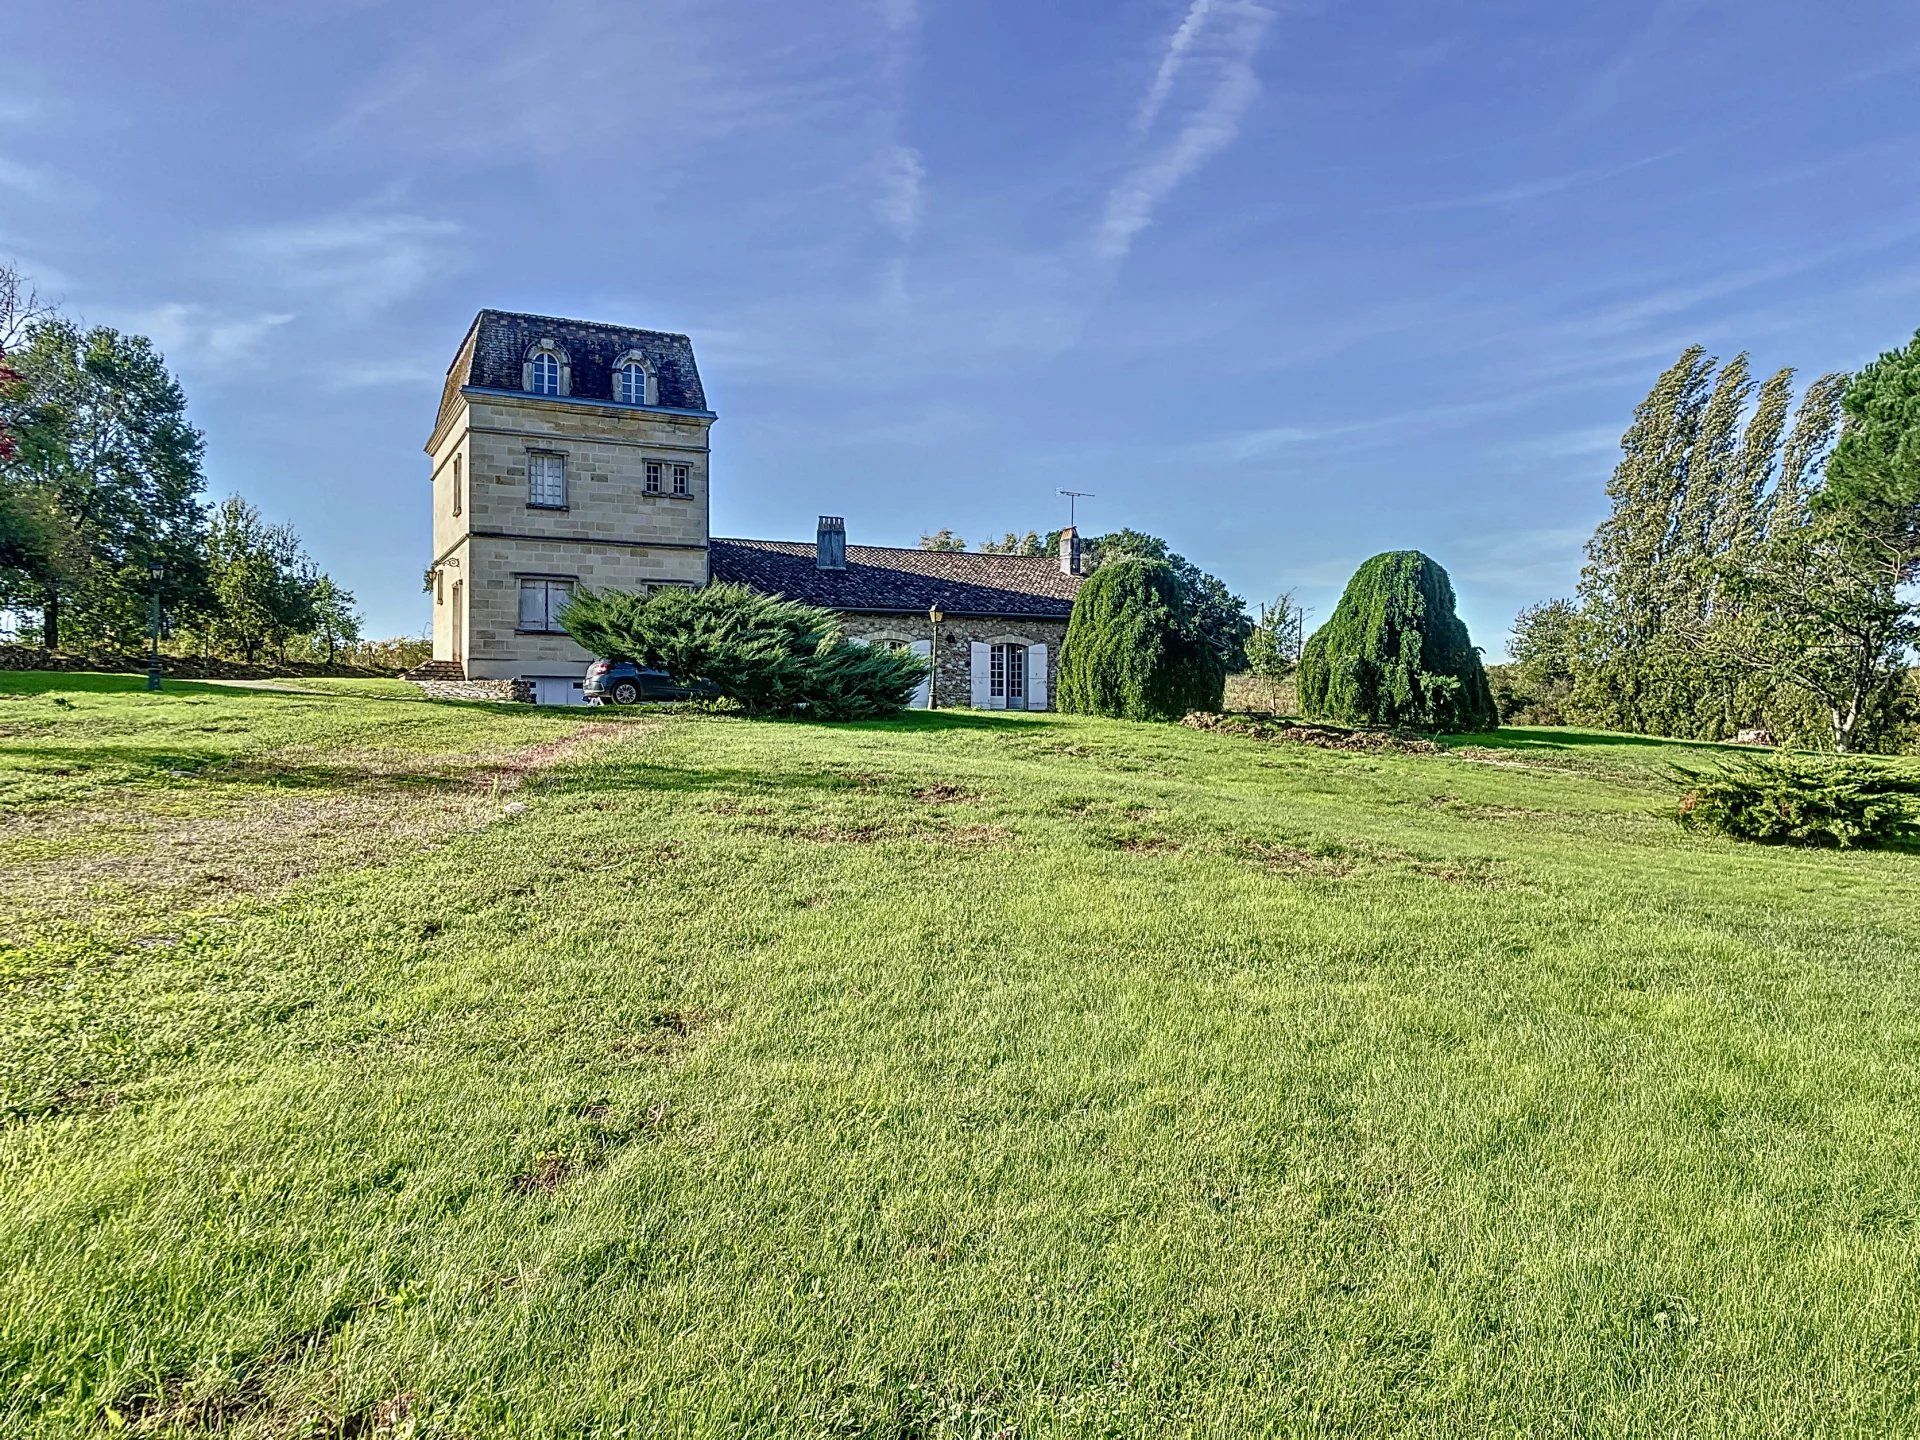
<point>832,543</point>
<point>1070,551</point>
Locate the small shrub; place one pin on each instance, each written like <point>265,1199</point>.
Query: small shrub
<point>1781,800</point>
<point>771,656</point>
<point>1133,650</point>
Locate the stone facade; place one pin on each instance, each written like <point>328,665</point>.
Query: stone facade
<point>607,530</point>
<point>953,660</point>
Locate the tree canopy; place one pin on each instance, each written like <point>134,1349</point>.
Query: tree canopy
<point>1395,652</point>
<point>1875,468</point>
<point>1133,650</point>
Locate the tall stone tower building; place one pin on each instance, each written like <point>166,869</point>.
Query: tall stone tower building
<point>565,454</point>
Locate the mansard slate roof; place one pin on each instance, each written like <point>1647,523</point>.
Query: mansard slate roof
<point>497,343</point>
<point>887,579</point>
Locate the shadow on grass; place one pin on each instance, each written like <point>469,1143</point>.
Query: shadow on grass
<point>1544,739</point>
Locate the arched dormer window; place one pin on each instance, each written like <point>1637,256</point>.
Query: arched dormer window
<point>547,371</point>
<point>633,380</point>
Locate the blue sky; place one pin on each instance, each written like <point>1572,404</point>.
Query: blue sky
<point>1288,284</point>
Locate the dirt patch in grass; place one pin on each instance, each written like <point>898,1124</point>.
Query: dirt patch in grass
<point>1297,860</point>
<point>176,1408</point>
<point>668,1032</point>
<point>1146,844</point>
<point>1277,730</point>
<point>355,811</point>
<point>185,1405</point>
<point>606,1133</point>
<point>870,832</point>
<point>875,832</point>
<point>945,792</point>
<point>77,1097</point>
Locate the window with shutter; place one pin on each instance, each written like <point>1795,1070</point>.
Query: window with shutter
<point>546,480</point>
<point>541,602</point>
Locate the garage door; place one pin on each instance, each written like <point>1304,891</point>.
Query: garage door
<point>556,690</point>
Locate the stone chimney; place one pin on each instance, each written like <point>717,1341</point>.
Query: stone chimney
<point>1069,551</point>
<point>832,543</point>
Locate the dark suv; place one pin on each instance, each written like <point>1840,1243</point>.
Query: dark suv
<point>621,682</point>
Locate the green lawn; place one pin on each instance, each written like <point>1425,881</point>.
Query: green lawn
<point>379,1067</point>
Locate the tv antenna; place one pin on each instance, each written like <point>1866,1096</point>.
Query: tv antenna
<point>1073,499</point>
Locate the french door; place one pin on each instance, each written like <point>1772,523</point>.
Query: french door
<point>1007,675</point>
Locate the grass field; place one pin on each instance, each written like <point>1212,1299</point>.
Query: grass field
<point>378,1067</point>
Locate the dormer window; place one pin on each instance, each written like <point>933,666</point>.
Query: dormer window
<point>632,384</point>
<point>547,371</point>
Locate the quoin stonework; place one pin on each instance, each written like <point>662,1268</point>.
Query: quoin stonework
<point>570,454</point>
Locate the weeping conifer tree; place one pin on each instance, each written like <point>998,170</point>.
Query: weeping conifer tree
<point>1395,653</point>
<point>1133,649</point>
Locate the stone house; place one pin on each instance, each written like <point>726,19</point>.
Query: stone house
<point>568,453</point>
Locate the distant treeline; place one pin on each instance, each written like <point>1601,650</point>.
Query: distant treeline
<point>1755,572</point>
<point>103,507</point>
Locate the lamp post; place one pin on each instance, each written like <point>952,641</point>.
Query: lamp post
<point>154,571</point>
<point>933,674</point>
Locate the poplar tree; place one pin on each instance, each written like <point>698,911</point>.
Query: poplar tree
<point>1627,586</point>
<point>1706,493</point>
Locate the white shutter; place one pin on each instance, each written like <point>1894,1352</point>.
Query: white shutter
<point>533,605</point>
<point>981,699</point>
<point>924,691</point>
<point>1036,677</point>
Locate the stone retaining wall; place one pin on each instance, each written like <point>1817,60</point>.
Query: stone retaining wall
<point>516,691</point>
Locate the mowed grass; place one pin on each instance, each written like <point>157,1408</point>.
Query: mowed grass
<point>958,1076</point>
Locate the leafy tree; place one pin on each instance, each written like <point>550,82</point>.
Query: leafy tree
<point>1395,653</point>
<point>1822,612</point>
<point>943,540</point>
<point>1013,543</point>
<point>263,586</point>
<point>1273,645</point>
<point>1218,614</point>
<point>772,656</point>
<point>102,440</point>
<point>1133,650</point>
<point>1545,646</point>
<point>336,624</point>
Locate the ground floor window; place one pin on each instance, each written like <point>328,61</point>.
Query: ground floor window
<point>541,602</point>
<point>1007,675</point>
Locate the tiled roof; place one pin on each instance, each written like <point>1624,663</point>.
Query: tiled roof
<point>898,580</point>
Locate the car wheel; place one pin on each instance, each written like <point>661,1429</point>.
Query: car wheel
<point>625,692</point>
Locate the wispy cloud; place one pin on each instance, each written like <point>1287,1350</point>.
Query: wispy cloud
<point>900,191</point>
<point>902,176</point>
<point>201,340</point>
<point>1218,40</point>
<point>359,261</point>
<point>1523,191</point>
<point>24,178</point>
<point>1155,100</point>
